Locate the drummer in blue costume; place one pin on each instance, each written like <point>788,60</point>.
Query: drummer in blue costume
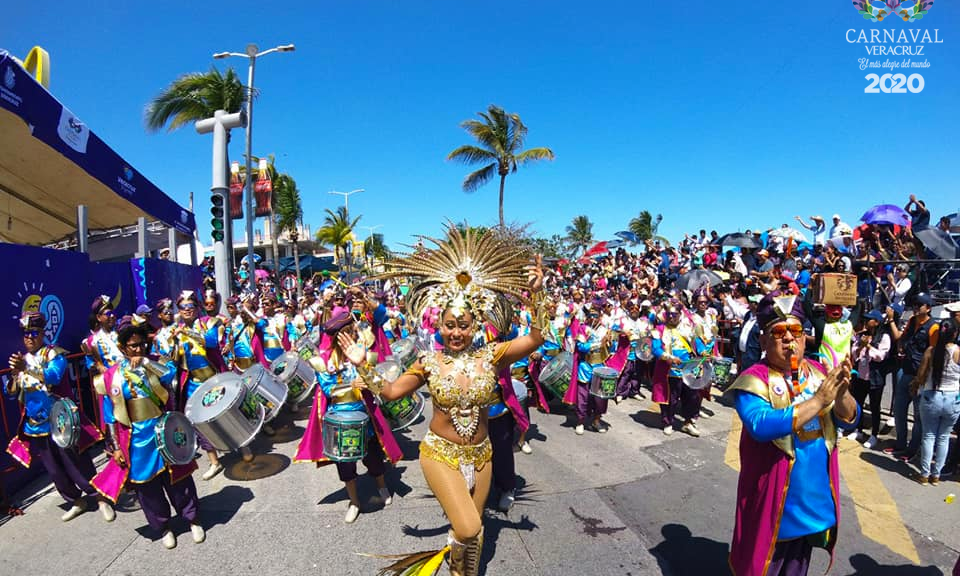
<point>138,390</point>
<point>35,375</point>
<point>246,344</point>
<point>593,347</point>
<point>163,341</point>
<point>100,346</point>
<point>342,391</point>
<point>272,327</point>
<point>672,349</point>
<point>190,352</point>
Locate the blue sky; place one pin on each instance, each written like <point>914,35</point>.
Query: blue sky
<point>715,117</point>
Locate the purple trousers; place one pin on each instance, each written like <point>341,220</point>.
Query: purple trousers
<point>156,496</point>
<point>683,400</point>
<point>629,382</point>
<point>69,470</point>
<point>588,405</point>
<point>373,460</point>
<point>791,558</point>
<point>500,430</point>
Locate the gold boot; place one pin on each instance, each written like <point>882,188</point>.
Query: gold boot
<point>458,552</point>
<point>474,549</point>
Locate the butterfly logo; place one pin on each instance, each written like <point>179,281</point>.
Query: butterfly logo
<point>877,10</point>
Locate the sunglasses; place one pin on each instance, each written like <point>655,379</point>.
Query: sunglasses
<point>779,331</point>
<point>137,345</point>
<point>107,313</point>
<point>187,306</point>
<point>31,333</point>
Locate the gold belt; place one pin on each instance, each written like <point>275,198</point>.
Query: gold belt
<point>140,409</point>
<point>344,394</point>
<point>452,454</point>
<point>596,358</point>
<point>808,435</point>
<point>201,374</point>
<point>243,363</point>
<point>98,385</point>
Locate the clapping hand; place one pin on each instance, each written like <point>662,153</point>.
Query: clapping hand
<point>354,352</point>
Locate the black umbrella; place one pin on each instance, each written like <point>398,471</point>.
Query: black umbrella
<point>938,242</point>
<point>739,239</point>
<point>695,279</point>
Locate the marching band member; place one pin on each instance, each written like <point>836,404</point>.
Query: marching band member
<point>341,390</point>
<point>637,328</point>
<point>246,341</point>
<point>35,374</point>
<point>100,347</point>
<point>137,398</point>
<point>190,352</point>
<point>672,349</point>
<point>592,350</point>
<point>273,328</point>
<point>466,279</point>
<point>214,325</point>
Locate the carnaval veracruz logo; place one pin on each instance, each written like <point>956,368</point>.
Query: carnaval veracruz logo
<point>909,11</point>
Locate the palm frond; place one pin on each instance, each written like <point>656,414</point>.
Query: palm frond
<point>193,97</point>
<point>469,154</point>
<point>476,179</point>
<point>533,155</point>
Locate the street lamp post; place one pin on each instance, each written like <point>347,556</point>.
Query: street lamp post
<point>346,196</point>
<point>252,54</point>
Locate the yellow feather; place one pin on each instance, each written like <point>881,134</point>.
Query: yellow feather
<point>434,563</point>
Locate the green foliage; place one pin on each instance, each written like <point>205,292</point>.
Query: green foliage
<point>500,137</point>
<point>580,233</point>
<point>642,225</point>
<point>195,96</point>
<point>337,229</point>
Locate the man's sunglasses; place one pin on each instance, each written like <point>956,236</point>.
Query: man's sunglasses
<point>187,306</point>
<point>31,333</point>
<point>137,345</point>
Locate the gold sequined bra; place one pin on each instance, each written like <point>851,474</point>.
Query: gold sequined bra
<point>463,405</point>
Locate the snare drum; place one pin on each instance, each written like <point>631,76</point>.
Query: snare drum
<point>176,439</point>
<point>556,375</point>
<point>345,435</point>
<point>604,382</point>
<point>645,350</point>
<point>697,373</point>
<point>404,411</point>
<point>223,411</point>
<point>65,423</point>
<point>405,352</point>
<point>296,374</point>
<point>305,348</point>
<point>266,388</point>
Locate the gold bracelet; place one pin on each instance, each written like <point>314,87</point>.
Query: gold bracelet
<point>539,318</point>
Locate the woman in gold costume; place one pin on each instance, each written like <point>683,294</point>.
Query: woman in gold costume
<point>468,278</point>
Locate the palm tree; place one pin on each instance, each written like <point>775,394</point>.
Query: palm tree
<point>500,136</point>
<point>375,249</point>
<point>193,97</point>
<point>642,225</point>
<point>337,230</point>
<point>289,216</point>
<point>580,232</point>
<point>197,96</point>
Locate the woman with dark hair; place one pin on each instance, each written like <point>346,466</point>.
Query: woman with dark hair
<point>100,346</point>
<point>870,351</point>
<point>939,383</point>
<point>137,394</point>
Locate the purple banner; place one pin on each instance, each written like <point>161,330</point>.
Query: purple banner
<point>54,125</point>
<point>156,279</point>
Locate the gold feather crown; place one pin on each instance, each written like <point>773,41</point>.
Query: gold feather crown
<point>465,271</point>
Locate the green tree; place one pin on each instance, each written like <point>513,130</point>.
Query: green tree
<point>337,230</point>
<point>375,249</point>
<point>580,233</point>
<point>289,218</point>
<point>500,136</point>
<point>642,225</point>
<point>193,97</point>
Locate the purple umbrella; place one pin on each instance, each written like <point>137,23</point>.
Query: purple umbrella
<point>886,214</point>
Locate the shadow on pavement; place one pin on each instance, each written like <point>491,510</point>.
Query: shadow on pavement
<point>867,566</point>
<point>367,488</point>
<point>214,510</point>
<point>683,554</point>
<point>262,466</point>
<point>647,418</point>
<point>492,526</point>
<point>883,461</point>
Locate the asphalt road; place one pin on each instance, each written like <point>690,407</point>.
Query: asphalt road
<point>631,502</point>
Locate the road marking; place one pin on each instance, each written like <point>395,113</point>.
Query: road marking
<point>876,510</point>
<point>732,455</point>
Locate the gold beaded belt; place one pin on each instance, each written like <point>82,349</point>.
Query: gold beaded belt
<point>201,374</point>
<point>140,409</point>
<point>455,455</point>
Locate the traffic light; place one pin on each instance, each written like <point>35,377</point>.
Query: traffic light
<point>218,211</point>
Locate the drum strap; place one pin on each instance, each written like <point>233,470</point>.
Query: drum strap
<point>142,388</point>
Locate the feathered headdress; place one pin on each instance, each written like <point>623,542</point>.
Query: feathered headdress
<point>466,272</point>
